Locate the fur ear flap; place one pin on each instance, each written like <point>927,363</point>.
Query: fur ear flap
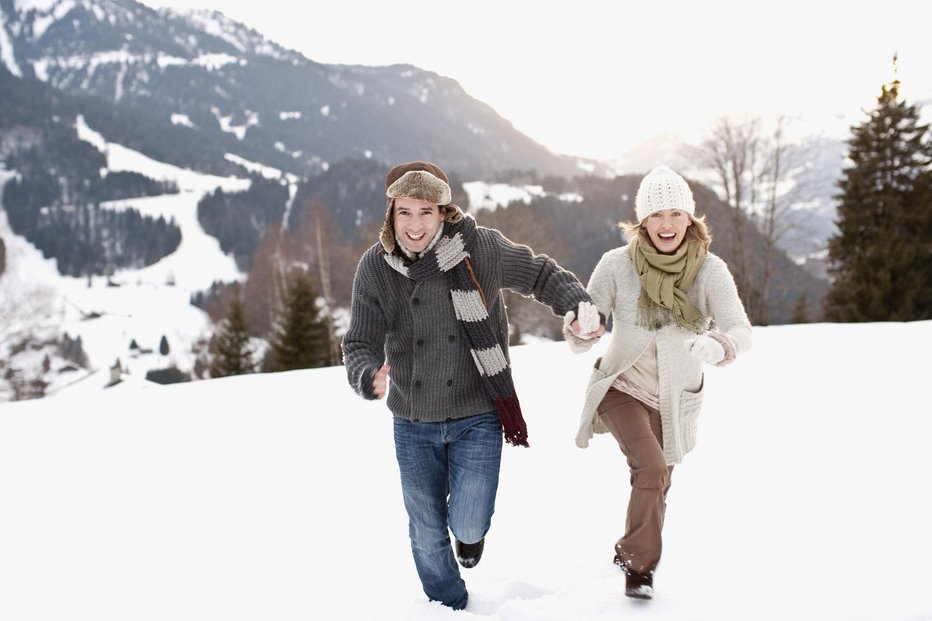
<point>387,234</point>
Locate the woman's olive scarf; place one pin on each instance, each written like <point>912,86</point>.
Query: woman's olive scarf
<point>665,279</point>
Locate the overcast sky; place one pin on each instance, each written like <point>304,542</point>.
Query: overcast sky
<point>595,77</point>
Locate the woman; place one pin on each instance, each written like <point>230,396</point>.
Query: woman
<point>675,308</point>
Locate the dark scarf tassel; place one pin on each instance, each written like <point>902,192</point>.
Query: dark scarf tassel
<point>513,425</point>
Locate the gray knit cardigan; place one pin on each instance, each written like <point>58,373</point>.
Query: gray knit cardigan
<point>412,326</point>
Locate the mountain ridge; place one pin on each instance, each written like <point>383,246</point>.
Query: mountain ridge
<point>232,83</point>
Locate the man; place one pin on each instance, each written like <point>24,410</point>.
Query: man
<point>428,311</point>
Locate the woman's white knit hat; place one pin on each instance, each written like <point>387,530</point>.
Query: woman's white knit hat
<point>660,189</point>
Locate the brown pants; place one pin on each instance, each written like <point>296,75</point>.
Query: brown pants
<point>637,429</point>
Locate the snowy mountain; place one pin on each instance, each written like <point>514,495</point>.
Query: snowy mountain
<point>276,496</point>
<point>145,154</point>
<point>116,121</point>
<point>188,88</point>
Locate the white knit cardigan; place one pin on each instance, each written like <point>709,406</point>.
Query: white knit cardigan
<point>615,288</point>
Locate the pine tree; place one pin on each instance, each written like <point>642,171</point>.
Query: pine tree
<point>234,355</point>
<point>301,339</point>
<point>881,260</point>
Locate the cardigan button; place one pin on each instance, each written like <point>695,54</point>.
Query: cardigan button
<point>451,338</point>
<point>417,384</point>
<point>449,382</point>
<point>420,342</point>
<point>415,301</point>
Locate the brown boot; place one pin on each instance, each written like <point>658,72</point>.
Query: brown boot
<point>637,584</point>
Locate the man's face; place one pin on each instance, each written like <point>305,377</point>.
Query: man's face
<point>416,222</point>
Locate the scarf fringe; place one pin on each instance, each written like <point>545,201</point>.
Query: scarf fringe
<point>513,425</point>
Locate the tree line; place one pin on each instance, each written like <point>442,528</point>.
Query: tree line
<point>86,238</point>
<point>301,338</point>
<point>238,219</point>
<point>54,202</point>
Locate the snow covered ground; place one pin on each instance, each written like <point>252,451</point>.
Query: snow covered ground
<point>276,497</point>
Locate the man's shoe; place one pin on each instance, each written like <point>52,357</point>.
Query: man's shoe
<point>468,554</point>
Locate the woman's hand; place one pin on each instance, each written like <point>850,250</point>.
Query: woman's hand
<point>577,329</point>
<point>705,349</point>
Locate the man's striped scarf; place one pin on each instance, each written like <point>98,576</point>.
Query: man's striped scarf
<point>451,255</point>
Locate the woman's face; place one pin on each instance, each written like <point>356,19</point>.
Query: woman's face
<point>667,229</point>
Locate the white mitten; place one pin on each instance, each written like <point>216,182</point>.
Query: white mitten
<point>705,348</point>
<point>588,318</point>
<point>568,320</point>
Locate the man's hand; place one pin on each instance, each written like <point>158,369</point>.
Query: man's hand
<point>380,381</point>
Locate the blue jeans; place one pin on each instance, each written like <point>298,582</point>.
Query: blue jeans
<point>449,477</point>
